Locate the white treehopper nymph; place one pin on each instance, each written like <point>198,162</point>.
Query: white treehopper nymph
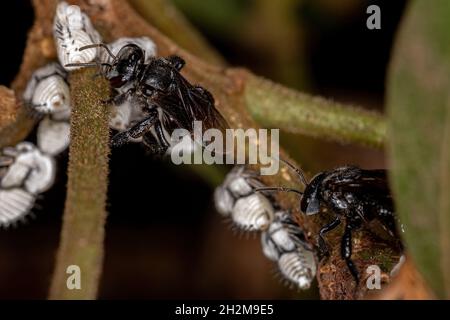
<point>25,173</point>
<point>285,243</point>
<point>73,30</point>
<point>236,198</point>
<point>53,137</point>
<point>48,92</point>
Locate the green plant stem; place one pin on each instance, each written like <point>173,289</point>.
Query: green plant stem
<point>166,17</point>
<point>85,209</point>
<point>275,106</point>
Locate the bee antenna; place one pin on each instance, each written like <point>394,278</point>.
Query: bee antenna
<point>278,189</point>
<point>297,170</point>
<point>99,45</point>
<point>89,65</point>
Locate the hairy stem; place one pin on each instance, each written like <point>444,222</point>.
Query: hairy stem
<point>85,214</point>
<point>275,106</point>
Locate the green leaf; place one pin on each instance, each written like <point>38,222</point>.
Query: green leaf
<point>418,101</point>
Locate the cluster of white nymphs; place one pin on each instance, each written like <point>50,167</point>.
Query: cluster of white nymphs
<point>72,31</point>
<point>48,95</point>
<point>282,239</point>
<point>27,170</point>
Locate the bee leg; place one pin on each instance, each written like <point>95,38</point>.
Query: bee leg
<point>152,144</point>
<point>323,247</point>
<point>119,99</point>
<point>137,131</point>
<point>161,137</point>
<point>346,252</point>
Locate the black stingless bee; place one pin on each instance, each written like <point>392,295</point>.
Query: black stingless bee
<point>355,196</point>
<point>166,100</point>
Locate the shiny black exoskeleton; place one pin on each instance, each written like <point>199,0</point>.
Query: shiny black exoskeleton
<point>356,197</point>
<point>167,100</point>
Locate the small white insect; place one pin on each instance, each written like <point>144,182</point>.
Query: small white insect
<point>48,92</point>
<point>24,173</point>
<point>299,267</point>
<point>284,242</point>
<point>236,199</point>
<point>30,169</point>
<point>53,137</point>
<point>73,30</point>
<point>14,205</point>
<point>252,213</point>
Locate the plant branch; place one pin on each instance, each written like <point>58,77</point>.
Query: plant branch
<point>166,17</point>
<point>275,106</point>
<point>85,210</point>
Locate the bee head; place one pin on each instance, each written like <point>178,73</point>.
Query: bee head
<point>126,65</point>
<point>310,203</point>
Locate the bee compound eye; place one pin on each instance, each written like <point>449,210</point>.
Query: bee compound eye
<point>313,207</point>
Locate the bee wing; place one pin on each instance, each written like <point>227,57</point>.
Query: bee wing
<point>189,104</point>
<point>368,186</point>
<point>205,109</point>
